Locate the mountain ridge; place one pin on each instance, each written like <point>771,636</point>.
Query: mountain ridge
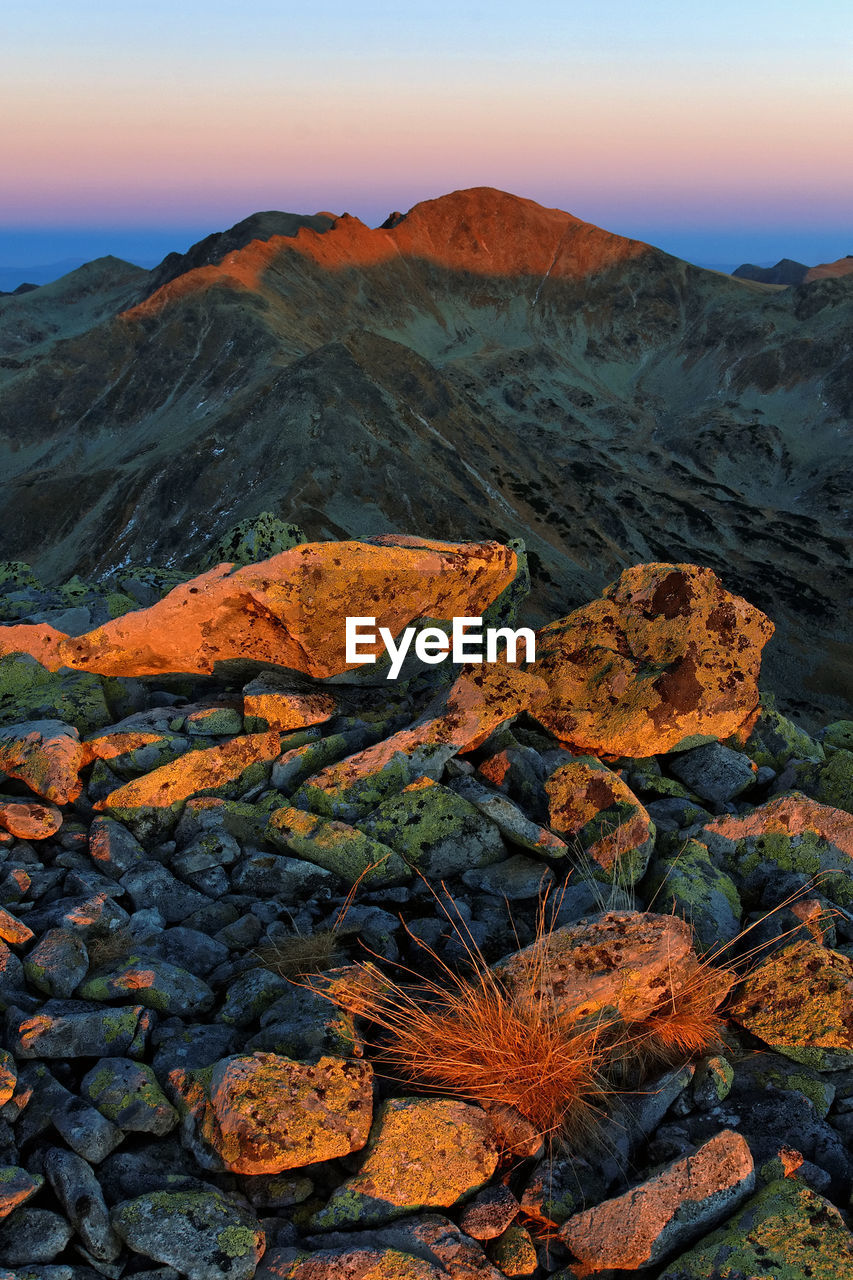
<point>483,368</point>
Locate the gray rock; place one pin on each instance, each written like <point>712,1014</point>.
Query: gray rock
<point>518,878</point>
<point>32,1235</point>
<point>303,1024</point>
<point>714,772</point>
<point>489,1213</point>
<point>150,885</point>
<point>87,1132</point>
<point>79,1192</point>
<point>205,1235</point>
<point>58,963</point>
<point>188,1047</point>
<point>191,949</point>
<point>249,995</point>
<point>112,848</point>
<point>274,874</point>
<point>155,983</point>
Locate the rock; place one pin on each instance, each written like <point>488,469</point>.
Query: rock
<point>266,1114</point>
<point>28,820</point>
<point>84,1129</point>
<point>423,1153</point>
<point>514,1253</point>
<point>344,850</point>
<point>16,1186</point>
<point>346,1264</point>
<point>830,782</point>
<point>435,831</point>
<point>649,1223</point>
<point>712,1082</point>
<point>789,834</point>
<point>46,755</point>
<point>287,611</point>
<point>774,740</point>
<point>700,892</point>
<point>77,1029</point>
<point>58,963</point>
<point>249,995</point>
<point>459,719</point>
<point>155,983</point>
<point>274,875</point>
<point>205,1235</point>
<point>187,1046</point>
<point>28,691</point>
<point>713,772</point>
<point>148,884</point>
<point>304,1024</point>
<point>257,538</point>
<point>113,849</point>
<point>269,703</point>
<point>428,1236</point>
<point>226,770</point>
<point>592,807</point>
<point>838,734</point>
<point>517,879</point>
<point>511,821</point>
<point>211,722</point>
<point>489,1213</point>
<point>582,967</point>
<point>128,1094</point>
<point>80,1195</point>
<point>784,1231</point>
<point>800,1002</point>
<point>32,1235</point>
<point>665,660</point>
<point>14,931</point>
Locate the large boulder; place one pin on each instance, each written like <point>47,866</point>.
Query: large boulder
<point>289,611</point>
<point>667,659</point>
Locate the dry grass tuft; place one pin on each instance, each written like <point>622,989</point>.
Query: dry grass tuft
<point>467,1034</point>
<point>302,954</point>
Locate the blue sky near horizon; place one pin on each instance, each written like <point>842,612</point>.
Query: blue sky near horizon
<point>718,132</point>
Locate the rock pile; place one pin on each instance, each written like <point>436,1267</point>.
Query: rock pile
<point>215,835</point>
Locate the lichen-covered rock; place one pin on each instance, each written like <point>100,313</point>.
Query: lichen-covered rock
<point>353,1263</point>
<point>16,1186</point>
<point>269,703</point>
<point>225,770</point>
<point>591,806</point>
<point>128,1094</point>
<point>434,830</point>
<point>204,1235</point>
<point>423,1153</point>
<point>287,611</point>
<point>830,781</point>
<point>155,983</point>
<point>786,1231</point>
<point>58,963</point>
<point>30,1236</point>
<point>346,851</point>
<point>28,691</point>
<point>488,1214</point>
<point>77,1029</point>
<point>510,820</point>
<point>701,892</point>
<point>460,718</point>
<point>800,1002</point>
<point>774,739</point>
<point>256,538</point>
<point>789,834</point>
<point>80,1195</point>
<point>665,660</point>
<point>46,755</point>
<point>677,1205</point>
<point>29,820</point>
<point>630,963</point>
<point>514,1253</point>
<point>266,1113</point>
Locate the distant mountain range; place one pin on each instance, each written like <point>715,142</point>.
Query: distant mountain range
<point>788,272</point>
<point>479,367</point>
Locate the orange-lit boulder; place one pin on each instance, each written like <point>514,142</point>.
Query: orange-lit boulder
<point>264,1113</point>
<point>460,719</point>
<point>800,1003</point>
<point>289,611</point>
<point>28,820</point>
<point>284,709</point>
<point>591,805</point>
<point>632,963</point>
<point>666,659</point>
<point>47,755</point>
<point>211,771</point>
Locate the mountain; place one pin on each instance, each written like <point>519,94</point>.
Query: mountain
<point>480,367</point>
<point>786,271</point>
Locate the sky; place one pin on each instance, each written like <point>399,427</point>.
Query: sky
<point>721,132</point>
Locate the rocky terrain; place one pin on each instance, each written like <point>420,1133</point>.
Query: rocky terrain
<point>481,367</point>
<point>487,971</point>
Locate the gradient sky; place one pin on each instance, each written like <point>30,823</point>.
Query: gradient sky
<point>721,132</point>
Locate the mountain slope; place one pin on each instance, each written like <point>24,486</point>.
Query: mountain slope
<point>480,367</point>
